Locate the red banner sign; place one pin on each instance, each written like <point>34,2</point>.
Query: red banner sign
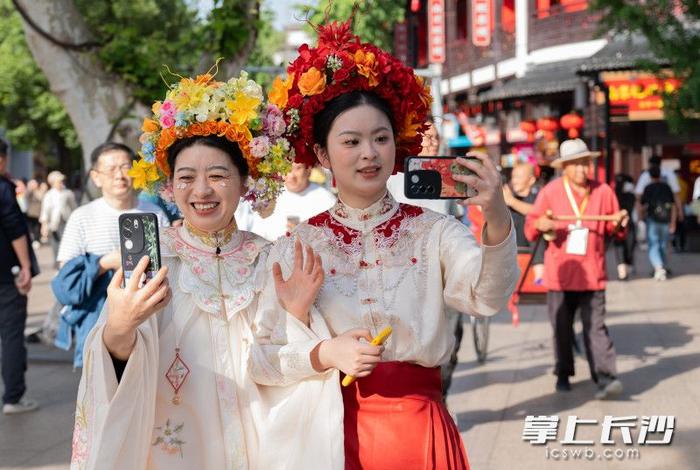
<point>482,17</point>
<point>436,31</point>
<point>638,96</point>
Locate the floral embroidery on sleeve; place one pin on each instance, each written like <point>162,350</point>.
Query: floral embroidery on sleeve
<point>168,438</point>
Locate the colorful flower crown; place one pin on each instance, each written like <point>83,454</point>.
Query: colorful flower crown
<point>341,64</point>
<point>233,110</point>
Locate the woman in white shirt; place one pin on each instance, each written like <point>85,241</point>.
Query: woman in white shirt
<point>385,263</point>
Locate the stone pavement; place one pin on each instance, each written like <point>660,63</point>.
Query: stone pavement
<point>655,326</point>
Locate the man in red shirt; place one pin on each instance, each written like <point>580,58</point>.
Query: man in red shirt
<point>575,262</point>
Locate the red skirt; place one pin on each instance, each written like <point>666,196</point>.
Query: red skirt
<point>396,419</point>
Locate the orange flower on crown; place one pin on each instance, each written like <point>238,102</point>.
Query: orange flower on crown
<point>279,93</point>
<point>149,125</point>
<point>367,66</point>
<point>411,127</point>
<point>312,82</point>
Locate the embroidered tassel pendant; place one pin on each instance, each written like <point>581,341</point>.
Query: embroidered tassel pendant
<point>176,375</point>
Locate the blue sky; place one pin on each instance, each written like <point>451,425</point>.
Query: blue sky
<point>284,9</point>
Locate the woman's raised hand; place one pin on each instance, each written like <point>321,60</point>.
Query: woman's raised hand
<point>299,291</point>
<point>487,182</point>
<point>130,306</point>
<point>348,354</point>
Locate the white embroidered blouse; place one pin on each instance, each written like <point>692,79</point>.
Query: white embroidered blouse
<point>224,420</point>
<point>390,264</point>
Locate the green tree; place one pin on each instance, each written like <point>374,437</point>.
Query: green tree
<point>103,58</point>
<point>31,115</point>
<point>373,20</point>
<point>672,28</point>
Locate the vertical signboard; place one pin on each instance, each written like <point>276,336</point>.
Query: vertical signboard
<point>436,31</point>
<point>482,14</point>
<point>401,42</point>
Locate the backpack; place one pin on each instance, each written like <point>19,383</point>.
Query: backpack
<point>660,211</point>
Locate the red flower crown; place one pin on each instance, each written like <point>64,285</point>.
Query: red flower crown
<point>342,64</point>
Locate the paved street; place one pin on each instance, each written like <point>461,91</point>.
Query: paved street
<point>655,326</point>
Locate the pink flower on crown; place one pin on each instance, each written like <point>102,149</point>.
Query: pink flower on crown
<point>167,121</point>
<point>260,146</point>
<point>273,122</point>
<point>167,108</point>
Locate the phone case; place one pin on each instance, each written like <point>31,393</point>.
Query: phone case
<point>138,236</point>
<point>431,178</point>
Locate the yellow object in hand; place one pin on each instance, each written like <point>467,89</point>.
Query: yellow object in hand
<point>377,341</point>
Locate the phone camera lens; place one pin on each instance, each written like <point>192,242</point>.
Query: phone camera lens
<point>431,189</point>
<point>415,178</point>
<point>422,189</point>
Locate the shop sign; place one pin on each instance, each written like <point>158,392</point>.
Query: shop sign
<point>401,42</point>
<point>638,96</point>
<point>482,16</point>
<point>436,31</point>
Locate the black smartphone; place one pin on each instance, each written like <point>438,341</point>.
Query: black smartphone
<point>431,178</point>
<point>138,237</point>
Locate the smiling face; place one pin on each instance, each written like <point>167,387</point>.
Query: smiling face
<point>207,187</point>
<point>577,170</point>
<point>360,151</point>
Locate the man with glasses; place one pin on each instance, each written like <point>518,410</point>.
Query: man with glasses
<point>89,251</point>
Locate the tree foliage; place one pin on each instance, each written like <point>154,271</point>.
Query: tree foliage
<point>32,117</point>
<point>138,37</point>
<point>373,21</point>
<point>672,28</point>
<point>134,38</point>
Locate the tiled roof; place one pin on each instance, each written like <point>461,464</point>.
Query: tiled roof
<point>623,52</point>
<point>543,79</point>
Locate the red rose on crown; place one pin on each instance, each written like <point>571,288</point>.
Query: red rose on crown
<point>339,64</point>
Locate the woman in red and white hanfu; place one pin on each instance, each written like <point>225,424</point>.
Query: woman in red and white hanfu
<point>359,111</point>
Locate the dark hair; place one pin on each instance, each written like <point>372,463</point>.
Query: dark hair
<point>214,141</point>
<point>655,171</point>
<point>109,147</point>
<point>655,160</point>
<point>324,119</point>
<point>3,148</point>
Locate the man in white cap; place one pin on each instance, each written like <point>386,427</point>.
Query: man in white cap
<point>575,262</point>
<point>56,208</point>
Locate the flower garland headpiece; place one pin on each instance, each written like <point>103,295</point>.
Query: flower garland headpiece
<point>233,110</point>
<point>340,64</point>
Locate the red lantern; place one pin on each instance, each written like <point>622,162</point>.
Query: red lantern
<point>572,122</point>
<point>548,126</point>
<point>529,128</point>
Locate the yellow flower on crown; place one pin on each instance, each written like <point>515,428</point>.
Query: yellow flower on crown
<point>143,173</point>
<point>243,108</point>
<point>189,94</point>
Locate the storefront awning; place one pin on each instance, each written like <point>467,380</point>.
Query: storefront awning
<point>543,79</point>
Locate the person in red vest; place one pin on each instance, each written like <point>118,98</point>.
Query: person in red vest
<point>575,262</point>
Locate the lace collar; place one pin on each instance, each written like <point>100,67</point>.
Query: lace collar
<point>366,219</point>
<point>220,242</point>
<point>219,284</point>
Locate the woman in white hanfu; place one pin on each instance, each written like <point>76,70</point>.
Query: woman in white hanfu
<point>164,384</point>
<point>385,263</point>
